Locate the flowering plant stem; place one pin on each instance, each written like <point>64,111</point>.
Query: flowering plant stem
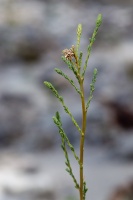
<point>82,140</point>
<point>73,58</point>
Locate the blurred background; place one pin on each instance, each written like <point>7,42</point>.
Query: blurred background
<point>33,34</point>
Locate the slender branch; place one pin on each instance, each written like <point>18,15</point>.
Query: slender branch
<point>60,72</point>
<point>92,88</point>
<point>51,87</point>
<point>92,40</point>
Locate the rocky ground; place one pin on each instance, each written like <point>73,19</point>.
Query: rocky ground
<point>42,176</point>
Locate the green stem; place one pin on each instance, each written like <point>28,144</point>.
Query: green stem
<point>82,137</point>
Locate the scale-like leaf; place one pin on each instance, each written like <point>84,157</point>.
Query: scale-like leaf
<point>92,88</point>
<point>92,40</point>
<point>60,72</point>
<point>79,33</point>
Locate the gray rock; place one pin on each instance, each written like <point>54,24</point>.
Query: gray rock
<point>23,114</point>
<point>25,42</point>
<point>124,146</point>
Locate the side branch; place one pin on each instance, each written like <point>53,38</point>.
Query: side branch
<point>51,87</point>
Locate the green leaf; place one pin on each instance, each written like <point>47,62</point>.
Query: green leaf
<point>58,117</point>
<point>99,20</point>
<point>51,87</point>
<point>85,189</point>
<point>79,33</point>
<point>68,62</point>
<point>80,58</point>
<point>92,88</point>
<point>71,66</point>
<point>92,40</point>
<point>60,72</point>
<point>65,138</point>
<point>72,118</point>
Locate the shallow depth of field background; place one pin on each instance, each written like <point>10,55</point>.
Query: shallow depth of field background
<point>33,34</point>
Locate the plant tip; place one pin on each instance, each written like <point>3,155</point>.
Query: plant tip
<point>99,20</point>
